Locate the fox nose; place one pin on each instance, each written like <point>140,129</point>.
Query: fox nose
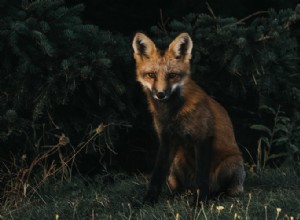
<point>160,95</point>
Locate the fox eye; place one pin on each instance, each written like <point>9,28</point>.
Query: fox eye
<point>172,75</point>
<point>151,75</point>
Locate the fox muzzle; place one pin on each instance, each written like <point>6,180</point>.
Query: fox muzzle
<point>161,95</point>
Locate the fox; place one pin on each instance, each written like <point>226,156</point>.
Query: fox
<point>197,146</point>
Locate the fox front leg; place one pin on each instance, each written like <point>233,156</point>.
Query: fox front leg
<point>164,159</point>
<point>203,166</point>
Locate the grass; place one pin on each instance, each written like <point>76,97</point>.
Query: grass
<point>271,194</point>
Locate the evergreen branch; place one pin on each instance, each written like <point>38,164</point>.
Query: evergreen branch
<point>213,14</point>
<point>163,22</point>
<point>291,22</point>
<point>264,37</point>
<point>210,10</point>
<point>246,18</point>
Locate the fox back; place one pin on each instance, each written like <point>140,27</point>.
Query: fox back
<point>197,144</point>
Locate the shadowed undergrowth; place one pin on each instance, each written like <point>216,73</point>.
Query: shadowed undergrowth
<point>271,194</point>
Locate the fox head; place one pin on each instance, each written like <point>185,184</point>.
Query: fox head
<point>162,72</point>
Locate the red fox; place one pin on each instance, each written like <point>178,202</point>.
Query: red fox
<point>198,150</point>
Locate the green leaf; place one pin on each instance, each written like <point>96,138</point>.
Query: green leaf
<point>262,128</point>
<point>283,119</point>
<point>281,127</point>
<point>267,109</point>
<point>274,156</point>
<point>280,140</point>
<point>294,148</point>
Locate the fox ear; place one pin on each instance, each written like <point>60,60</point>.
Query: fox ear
<point>142,45</point>
<point>182,46</point>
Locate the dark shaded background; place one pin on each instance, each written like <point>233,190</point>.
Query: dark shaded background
<point>130,16</point>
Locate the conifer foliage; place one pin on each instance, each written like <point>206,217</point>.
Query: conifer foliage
<point>58,75</point>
